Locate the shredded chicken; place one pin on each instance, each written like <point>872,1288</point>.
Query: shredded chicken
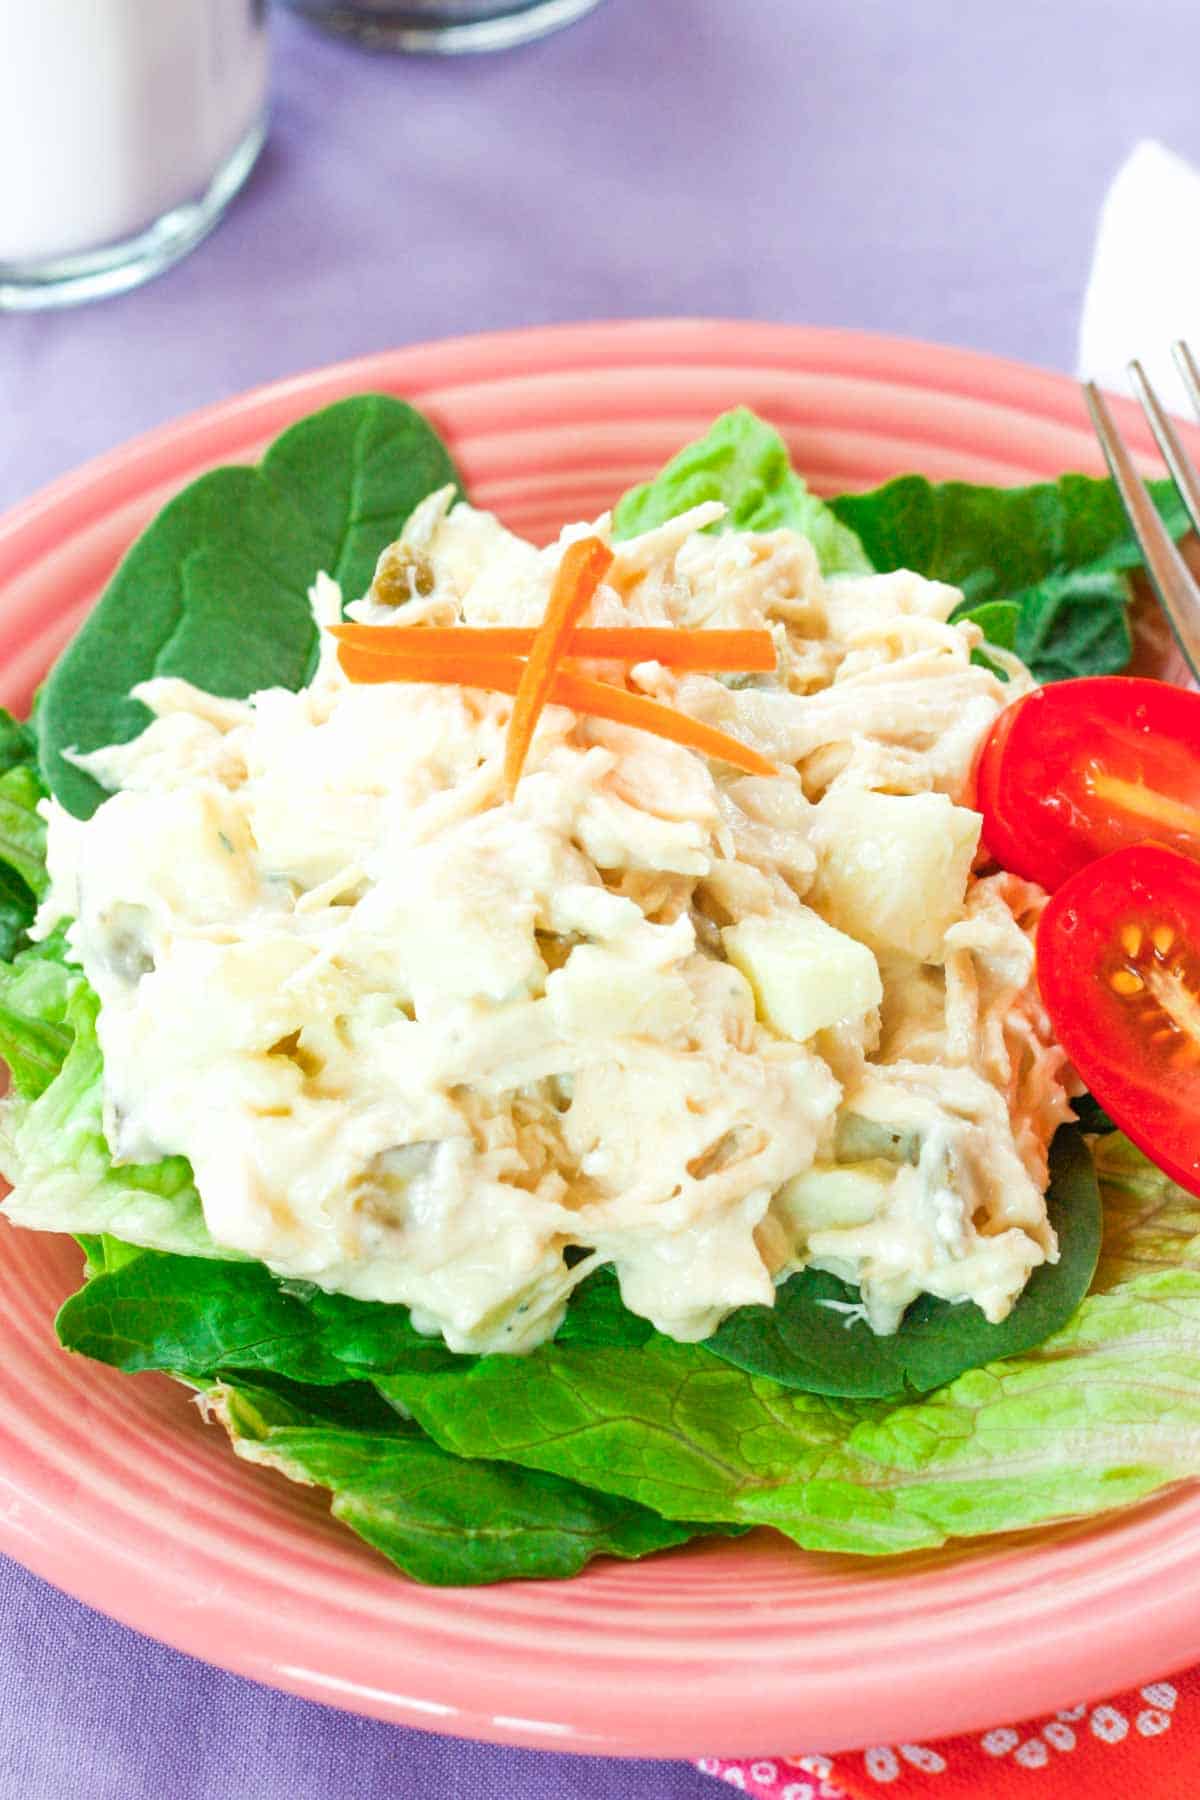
<point>419,1043</point>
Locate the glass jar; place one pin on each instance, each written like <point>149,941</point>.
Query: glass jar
<point>442,26</point>
<point>126,127</point>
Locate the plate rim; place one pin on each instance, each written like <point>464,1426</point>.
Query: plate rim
<point>1161,1635</point>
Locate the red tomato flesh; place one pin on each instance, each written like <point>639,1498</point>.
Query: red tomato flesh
<point>1118,956</point>
<point>1084,767</point>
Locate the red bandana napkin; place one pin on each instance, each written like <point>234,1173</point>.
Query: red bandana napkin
<point>1143,1743</point>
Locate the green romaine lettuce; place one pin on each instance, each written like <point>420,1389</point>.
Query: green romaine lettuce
<point>22,835</point>
<point>52,1144</point>
<point>1106,1413</point>
<point>35,1037</point>
<point>612,1438</point>
<point>743,463</point>
<point>616,1407</point>
<point>269,1357</point>
<point>1103,1413</point>
<point>433,1519</point>
<point>1043,569</point>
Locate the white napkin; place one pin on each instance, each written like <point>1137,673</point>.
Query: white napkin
<point>1144,288</point>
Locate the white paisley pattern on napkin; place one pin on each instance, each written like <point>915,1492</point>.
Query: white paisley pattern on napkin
<point>1149,1712</point>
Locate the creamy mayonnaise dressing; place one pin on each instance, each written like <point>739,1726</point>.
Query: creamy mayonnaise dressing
<point>418,1041</point>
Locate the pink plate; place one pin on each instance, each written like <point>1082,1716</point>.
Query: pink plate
<point>111,1487</point>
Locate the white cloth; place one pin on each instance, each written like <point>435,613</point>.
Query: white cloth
<point>1144,288</point>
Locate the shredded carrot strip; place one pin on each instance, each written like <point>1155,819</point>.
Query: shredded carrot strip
<point>749,652</point>
<point>598,699</point>
<point>583,567</point>
<point>603,701</point>
<point>498,674</point>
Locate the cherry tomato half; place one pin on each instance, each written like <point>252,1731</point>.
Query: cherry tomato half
<point>1084,767</point>
<point>1118,956</point>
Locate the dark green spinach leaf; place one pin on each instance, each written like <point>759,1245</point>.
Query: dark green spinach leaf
<point>1075,623</point>
<point>599,1318</point>
<point>995,542</point>
<point>1058,552</point>
<point>997,619</point>
<point>809,1340</point>
<point>191,1315</point>
<point>216,589</point>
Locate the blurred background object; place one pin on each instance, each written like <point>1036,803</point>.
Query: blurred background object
<point>125,130</point>
<point>442,26</point>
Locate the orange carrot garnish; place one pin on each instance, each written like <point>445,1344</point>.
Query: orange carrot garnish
<point>603,701</point>
<point>748,652</point>
<point>498,674</point>
<point>598,699</point>
<point>583,567</point>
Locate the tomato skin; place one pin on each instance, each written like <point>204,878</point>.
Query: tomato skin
<point>1144,1075</point>
<point>988,765</point>
<point>1043,818</point>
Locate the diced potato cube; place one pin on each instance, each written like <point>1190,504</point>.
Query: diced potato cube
<point>833,1197</point>
<point>892,868</point>
<point>805,975</point>
<point>599,993</point>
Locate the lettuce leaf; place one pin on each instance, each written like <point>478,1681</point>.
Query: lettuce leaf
<point>267,1356</point>
<point>191,1315</point>
<point>437,1521</point>
<point>613,1438</point>
<point>1150,1224</point>
<point>35,1036</point>
<point>1059,552</point>
<point>52,1144</point>
<point>22,828</point>
<point>804,1342</point>
<point>18,743</point>
<point>103,1255</point>
<point>1103,1413</point>
<point>22,835</point>
<point>743,463</point>
<point>216,588</point>
<point>187,1315</point>
<point>261,1358</point>
<point>1043,569</point>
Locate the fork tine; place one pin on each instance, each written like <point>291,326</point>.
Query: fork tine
<point>1165,436</point>
<point>1185,362</point>
<point>1168,571</point>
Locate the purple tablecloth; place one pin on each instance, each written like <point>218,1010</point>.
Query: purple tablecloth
<point>930,168</point>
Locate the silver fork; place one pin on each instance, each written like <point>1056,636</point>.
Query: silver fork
<point>1174,582</point>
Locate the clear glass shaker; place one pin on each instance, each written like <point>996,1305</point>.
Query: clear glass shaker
<point>442,26</point>
<point>126,127</point>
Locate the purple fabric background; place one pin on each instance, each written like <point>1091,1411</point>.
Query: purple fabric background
<point>932,167</point>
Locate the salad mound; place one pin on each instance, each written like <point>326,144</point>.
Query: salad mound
<point>683,1148</point>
